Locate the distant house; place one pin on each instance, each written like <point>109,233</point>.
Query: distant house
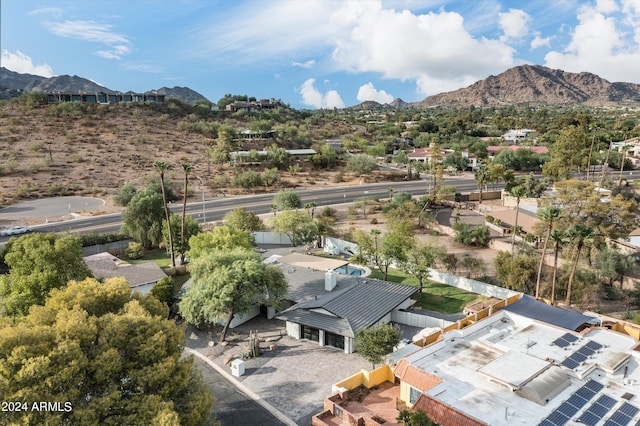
<point>140,276</point>
<point>102,97</point>
<point>517,135</point>
<point>251,106</point>
<point>424,155</point>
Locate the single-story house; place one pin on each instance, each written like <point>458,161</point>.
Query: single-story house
<point>334,318</point>
<point>140,276</point>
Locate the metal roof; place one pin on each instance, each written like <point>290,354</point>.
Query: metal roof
<point>361,306</point>
<point>529,307</point>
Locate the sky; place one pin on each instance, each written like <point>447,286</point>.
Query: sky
<point>316,53</point>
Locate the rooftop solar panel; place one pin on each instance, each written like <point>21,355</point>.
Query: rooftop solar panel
<point>593,386</point>
<point>567,409</point>
<point>565,340</point>
<point>628,409</point>
<point>597,410</point>
<point>606,401</point>
<point>577,401</point>
<point>593,345</point>
<point>570,363</point>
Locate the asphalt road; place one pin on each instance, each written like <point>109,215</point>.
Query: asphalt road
<point>214,210</point>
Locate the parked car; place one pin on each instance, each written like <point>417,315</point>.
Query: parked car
<point>15,230</point>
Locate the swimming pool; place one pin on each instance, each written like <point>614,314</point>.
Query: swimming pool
<point>353,270</point>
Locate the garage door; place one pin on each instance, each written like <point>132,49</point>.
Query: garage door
<point>310,333</point>
<point>334,340</point>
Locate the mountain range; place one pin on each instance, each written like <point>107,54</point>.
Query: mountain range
<point>16,82</point>
<point>530,84</point>
<point>522,84</point>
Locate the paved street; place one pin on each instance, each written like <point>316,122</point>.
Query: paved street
<point>233,408</point>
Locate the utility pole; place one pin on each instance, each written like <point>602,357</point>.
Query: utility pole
<point>204,213</point>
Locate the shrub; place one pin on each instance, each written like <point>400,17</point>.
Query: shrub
<point>103,238</point>
<point>135,251</point>
<point>163,290</point>
<point>374,221</point>
<point>476,236</point>
<point>125,194</point>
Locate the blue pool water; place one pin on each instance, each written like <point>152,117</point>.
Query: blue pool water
<point>353,270</point>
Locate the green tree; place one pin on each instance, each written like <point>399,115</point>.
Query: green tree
<point>278,156</point>
<point>191,228</point>
<point>516,272</point>
<point>382,252</point>
<point>375,342</point>
<point>569,152</point>
<point>244,220</point>
<point>419,261</point>
<point>361,164</point>
<point>163,291</point>
<point>456,161</point>
<point>143,218</point>
<point>580,235</point>
<point>297,225</point>
<point>162,166</point>
<point>247,180</point>
<point>186,168</point>
<point>613,265</point>
<point>270,176</point>
<point>472,264</point>
<point>220,238</point>
<point>114,358</point>
<point>482,178</point>
<point>549,216</point>
<point>287,199</point>
<point>37,264</point>
<point>471,236</point>
<point>125,194</point>
<point>227,283</point>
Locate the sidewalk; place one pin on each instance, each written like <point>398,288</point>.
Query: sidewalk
<point>292,378</point>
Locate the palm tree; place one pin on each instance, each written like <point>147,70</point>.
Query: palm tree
<point>482,177</point>
<point>581,235</point>
<point>559,239</point>
<point>549,216</point>
<point>518,192</point>
<point>186,167</point>
<point>162,166</point>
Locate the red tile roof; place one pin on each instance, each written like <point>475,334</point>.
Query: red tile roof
<point>444,414</point>
<point>415,377</point>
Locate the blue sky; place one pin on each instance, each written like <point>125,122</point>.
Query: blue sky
<point>316,53</point>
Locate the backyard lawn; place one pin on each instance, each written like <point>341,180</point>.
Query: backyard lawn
<point>435,296</point>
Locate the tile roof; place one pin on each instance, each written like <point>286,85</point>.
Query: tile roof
<point>107,266</point>
<point>444,414</point>
<point>416,377</point>
<point>529,307</point>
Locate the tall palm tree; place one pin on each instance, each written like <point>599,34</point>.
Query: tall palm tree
<point>559,239</point>
<point>186,167</point>
<point>549,216</point>
<point>518,192</point>
<point>162,166</point>
<point>581,235</point>
<point>482,178</point>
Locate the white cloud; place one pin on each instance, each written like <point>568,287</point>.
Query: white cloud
<point>313,97</point>
<point>368,92</point>
<point>514,24</point>
<point>539,41</point>
<point>55,12</point>
<point>21,63</point>
<point>433,49</point>
<point>308,64</point>
<point>117,44</point>
<point>143,67</point>
<point>600,44</point>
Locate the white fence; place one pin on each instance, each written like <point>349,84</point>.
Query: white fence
<point>271,238</point>
<point>418,320</point>
<point>336,246</point>
<point>471,285</point>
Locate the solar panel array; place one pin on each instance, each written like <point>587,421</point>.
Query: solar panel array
<point>581,355</point>
<point>622,415</point>
<point>570,407</point>
<point>565,340</point>
<point>597,411</point>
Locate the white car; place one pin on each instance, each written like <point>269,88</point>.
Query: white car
<point>15,230</point>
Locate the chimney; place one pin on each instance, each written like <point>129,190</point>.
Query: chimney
<point>330,279</point>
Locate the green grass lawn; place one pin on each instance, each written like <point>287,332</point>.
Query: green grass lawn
<point>435,296</point>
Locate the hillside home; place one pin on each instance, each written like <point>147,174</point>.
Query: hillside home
<point>252,106</point>
<point>102,97</point>
<point>424,155</point>
<point>517,135</point>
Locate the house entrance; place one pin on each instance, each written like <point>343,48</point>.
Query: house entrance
<point>310,333</point>
<point>335,340</point>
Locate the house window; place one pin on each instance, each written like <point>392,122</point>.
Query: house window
<point>337,411</point>
<point>310,333</point>
<point>414,394</point>
<point>335,340</point>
